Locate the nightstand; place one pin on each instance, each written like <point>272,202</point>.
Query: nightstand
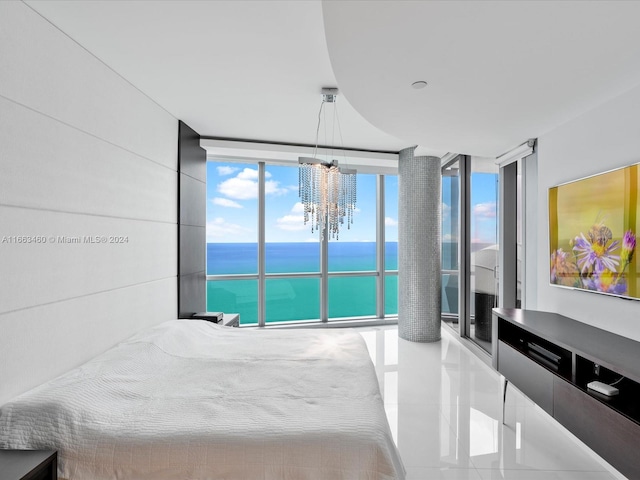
<point>228,319</point>
<point>28,465</point>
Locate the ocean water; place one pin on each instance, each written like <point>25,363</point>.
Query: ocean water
<point>299,298</point>
<point>239,258</point>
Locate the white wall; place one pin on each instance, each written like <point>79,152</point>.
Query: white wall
<point>82,152</point>
<point>602,139</point>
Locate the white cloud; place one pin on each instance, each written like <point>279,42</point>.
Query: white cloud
<point>271,187</point>
<point>390,222</point>
<point>226,170</point>
<point>239,188</point>
<point>244,186</point>
<point>225,202</point>
<point>446,210</point>
<point>219,228</point>
<point>248,174</point>
<point>251,174</point>
<point>294,221</point>
<point>291,223</point>
<point>485,210</point>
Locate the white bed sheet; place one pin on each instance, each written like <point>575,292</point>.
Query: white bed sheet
<point>194,400</point>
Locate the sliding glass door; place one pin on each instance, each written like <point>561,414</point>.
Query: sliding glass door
<point>484,249</point>
<point>450,243</point>
<point>470,248</point>
<point>474,223</point>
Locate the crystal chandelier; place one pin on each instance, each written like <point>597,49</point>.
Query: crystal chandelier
<point>327,192</point>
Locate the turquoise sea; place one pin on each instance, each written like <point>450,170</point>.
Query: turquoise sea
<point>298,298</point>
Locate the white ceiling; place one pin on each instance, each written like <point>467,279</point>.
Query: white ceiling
<point>498,72</point>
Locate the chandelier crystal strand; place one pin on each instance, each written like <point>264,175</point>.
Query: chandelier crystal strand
<point>311,196</point>
<point>302,191</point>
<point>344,200</point>
<point>320,197</point>
<point>334,201</point>
<point>353,196</point>
<point>340,200</point>
<point>348,197</point>
<point>317,181</point>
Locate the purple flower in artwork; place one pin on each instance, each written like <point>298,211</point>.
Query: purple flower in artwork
<point>595,258</point>
<point>607,282</point>
<point>596,252</point>
<point>628,247</point>
<point>563,270</point>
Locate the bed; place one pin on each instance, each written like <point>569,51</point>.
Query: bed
<point>190,399</point>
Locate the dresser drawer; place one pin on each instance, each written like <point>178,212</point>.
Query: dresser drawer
<point>613,436</point>
<point>533,380</point>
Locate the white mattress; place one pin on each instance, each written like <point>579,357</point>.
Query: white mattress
<point>194,400</point>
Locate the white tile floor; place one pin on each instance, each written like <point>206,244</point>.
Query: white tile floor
<point>444,407</point>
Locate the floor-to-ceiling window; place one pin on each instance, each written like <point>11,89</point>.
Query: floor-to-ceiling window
<point>269,267</point>
<point>390,185</point>
<point>354,253</point>
<point>450,242</point>
<point>519,233</point>
<point>292,252</point>
<point>232,238</point>
<point>484,248</point>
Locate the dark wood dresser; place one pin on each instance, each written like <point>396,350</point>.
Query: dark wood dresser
<point>552,358</point>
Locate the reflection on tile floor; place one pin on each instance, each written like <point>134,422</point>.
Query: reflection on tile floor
<point>444,407</point>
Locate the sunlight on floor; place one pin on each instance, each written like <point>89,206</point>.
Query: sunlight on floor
<point>444,407</point>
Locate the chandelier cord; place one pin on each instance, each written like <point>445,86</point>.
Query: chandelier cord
<point>315,150</point>
<point>344,157</point>
<point>333,129</point>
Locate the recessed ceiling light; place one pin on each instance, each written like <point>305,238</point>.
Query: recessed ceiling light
<point>418,85</point>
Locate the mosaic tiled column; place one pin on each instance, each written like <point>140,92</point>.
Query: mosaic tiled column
<point>419,274</point>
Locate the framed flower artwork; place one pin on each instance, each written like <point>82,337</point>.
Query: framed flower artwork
<point>593,224</point>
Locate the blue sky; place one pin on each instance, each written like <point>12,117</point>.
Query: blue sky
<point>232,206</point>
<point>484,194</point>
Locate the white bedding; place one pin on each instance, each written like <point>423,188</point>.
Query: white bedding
<point>194,400</point>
